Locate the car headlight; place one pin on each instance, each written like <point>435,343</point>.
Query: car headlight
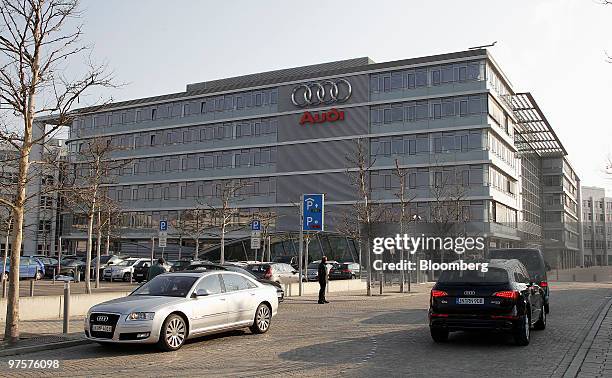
<point>141,316</point>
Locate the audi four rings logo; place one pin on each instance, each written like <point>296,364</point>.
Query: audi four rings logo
<point>469,292</point>
<point>102,318</point>
<point>323,92</point>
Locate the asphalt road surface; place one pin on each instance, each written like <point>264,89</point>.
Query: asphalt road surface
<point>353,336</point>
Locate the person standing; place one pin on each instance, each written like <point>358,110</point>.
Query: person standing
<point>157,269</point>
<point>323,277</point>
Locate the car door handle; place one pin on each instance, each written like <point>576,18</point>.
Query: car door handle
<point>252,294</point>
<point>221,299</point>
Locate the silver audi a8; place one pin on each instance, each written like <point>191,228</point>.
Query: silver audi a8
<point>174,307</point>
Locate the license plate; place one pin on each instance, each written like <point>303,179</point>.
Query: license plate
<point>101,328</point>
<point>472,301</point>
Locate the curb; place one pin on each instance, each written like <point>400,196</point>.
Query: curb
<point>576,364</point>
<point>38,348</point>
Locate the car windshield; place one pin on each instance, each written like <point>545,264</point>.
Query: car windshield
<point>125,263</point>
<point>491,276</point>
<point>313,265</point>
<point>531,260</point>
<point>167,286</point>
<point>67,261</point>
<point>240,270</point>
<point>141,263</point>
<point>104,259</point>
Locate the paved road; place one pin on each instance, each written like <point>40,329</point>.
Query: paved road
<point>47,287</point>
<point>353,336</point>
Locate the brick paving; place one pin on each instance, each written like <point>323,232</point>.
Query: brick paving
<point>354,336</point>
<point>598,360</point>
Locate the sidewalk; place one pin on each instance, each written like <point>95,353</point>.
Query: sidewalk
<point>598,359</point>
<point>44,335</point>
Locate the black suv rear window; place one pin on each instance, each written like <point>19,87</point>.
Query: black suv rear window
<point>493,275</point>
<point>531,260</point>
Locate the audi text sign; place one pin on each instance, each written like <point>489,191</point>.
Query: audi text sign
<point>331,115</point>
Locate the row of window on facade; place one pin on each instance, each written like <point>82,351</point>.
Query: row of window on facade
<point>150,219</point>
<point>252,157</point>
<point>208,190</point>
<point>223,103</point>
<point>600,204</point>
<point>597,244</point>
<point>428,109</point>
<point>427,76</point>
<point>193,134</point>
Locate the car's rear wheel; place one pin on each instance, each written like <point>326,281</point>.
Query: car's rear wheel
<point>541,323</point>
<point>126,277</point>
<point>173,333</point>
<point>263,318</point>
<point>522,332</point>
<point>439,335</point>
<point>546,307</point>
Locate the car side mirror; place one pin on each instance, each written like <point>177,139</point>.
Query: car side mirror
<point>200,293</point>
<point>109,263</point>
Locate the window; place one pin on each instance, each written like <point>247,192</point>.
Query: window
<point>212,284</point>
<point>234,282</point>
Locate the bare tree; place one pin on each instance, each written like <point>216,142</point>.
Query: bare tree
<point>194,224</point>
<point>85,186</point>
<point>359,167</point>
<point>404,200</point>
<point>36,48</point>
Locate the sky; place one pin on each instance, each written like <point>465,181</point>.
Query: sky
<point>555,49</point>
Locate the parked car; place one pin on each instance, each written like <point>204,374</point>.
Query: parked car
<point>501,299</point>
<point>105,262</point>
<point>234,268</point>
<point>178,265</point>
<point>533,259</point>
<point>291,260</point>
<point>49,263</point>
<point>312,272</point>
<point>71,266</point>
<point>123,270</point>
<point>174,307</point>
<point>141,270</point>
<point>277,272</point>
<point>344,271</point>
<point>29,267</point>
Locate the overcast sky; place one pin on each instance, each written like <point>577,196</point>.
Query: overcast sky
<point>555,49</point>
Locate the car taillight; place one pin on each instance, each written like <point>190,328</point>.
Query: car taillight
<point>509,294</point>
<point>268,273</point>
<point>438,293</point>
<point>346,271</point>
<point>543,284</point>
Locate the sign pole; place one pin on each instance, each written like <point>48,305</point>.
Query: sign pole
<point>152,249</point>
<point>301,249</point>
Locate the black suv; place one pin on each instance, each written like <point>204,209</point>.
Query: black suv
<point>534,262</point>
<point>501,299</point>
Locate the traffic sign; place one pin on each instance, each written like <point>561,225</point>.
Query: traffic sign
<point>256,225</point>
<point>313,212</point>
<point>163,239</point>
<point>163,225</point>
<point>255,243</point>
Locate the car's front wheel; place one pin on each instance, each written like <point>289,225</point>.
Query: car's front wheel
<point>263,318</point>
<point>173,333</point>
<point>522,332</point>
<point>439,335</point>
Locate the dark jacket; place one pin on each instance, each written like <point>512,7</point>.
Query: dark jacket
<point>155,270</point>
<point>322,272</point>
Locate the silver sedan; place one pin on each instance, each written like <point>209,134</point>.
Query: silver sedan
<point>174,307</point>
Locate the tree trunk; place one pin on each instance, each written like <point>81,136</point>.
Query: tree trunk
<point>180,247</point>
<point>107,246</point>
<point>223,243</point>
<point>90,221</point>
<point>98,248</point>
<point>197,249</point>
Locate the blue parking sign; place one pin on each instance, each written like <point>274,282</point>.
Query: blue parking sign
<point>314,211</point>
<point>163,225</point>
<point>256,225</point>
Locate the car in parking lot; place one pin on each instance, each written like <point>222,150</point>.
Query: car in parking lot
<point>70,267</point>
<point>178,265</point>
<point>533,260</point>
<point>344,271</point>
<point>29,267</point>
<point>174,307</point>
<point>50,264</point>
<point>123,270</point>
<point>141,270</point>
<point>312,272</point>
<point>105,262</point>
<point>235,268</point>
<point>277,272</point>
<point>501,299</point>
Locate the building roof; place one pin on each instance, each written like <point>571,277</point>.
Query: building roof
<point>534,131</point>
<point>343,67</point>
